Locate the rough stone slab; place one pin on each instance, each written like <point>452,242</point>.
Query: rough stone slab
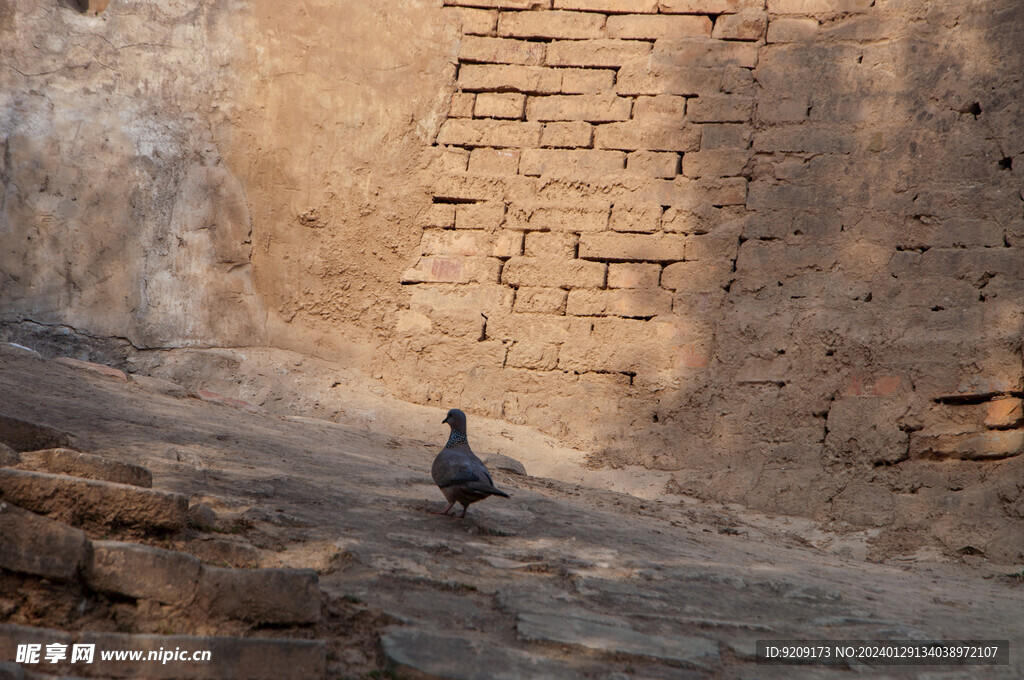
<point>108,371</point>
<point>8,456</point>
<point>230,658</point>
<point>616,638</point>
<point>279,596</point>
<point>143,571</point>
<point>12,635</point>
<point>22,435</point>
<point>498,461</point>
<point>33,544</point>
<point>86,500</point>
<point>464,658</point>
<point>77,464</point>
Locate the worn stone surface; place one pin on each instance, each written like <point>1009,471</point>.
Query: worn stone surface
<point>22,435</point>
<point>78,464</point>
<point>276,596</point>
<point>143,571</point>
<point>93,502</point>
<point>33,544</point>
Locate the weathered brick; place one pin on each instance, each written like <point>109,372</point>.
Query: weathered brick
<point>992,445</point>
<point>817,6</point>
<point>633,275</point>
<point>587,80</point>
<point>653,163</point>
<point>486,299</point>
<point>706,52</point>
<point>718,246</point>
<point>641,217</point>
<point>565,162</point>
<point>499,105</point>
<point>451,159</point>
<point>720,109</point>
<point>616,247</point>
<point>610,6</point>
<point>747,25</point>
<point>652,26</point>
<point>708,6</point>
<point>274,596</point>
<point>589,216</point>
<point>494,162</point>
<point>32,544</point>
<point>501,51</point>
<point>538,356</point>
<point>803,139</point>
<point>540,300</point>
<point>792,29</point>
<point>643,78</point>
<point>730,136</point>
<point>695,276</point>
<point>664,108</point>
<point>609,53</point>
<point>437,215</point>
<point>1004,413</point>
<point>462,105</point>
<point>143,571</point>
<point>567,135</point>
<point>563,25</point>
<point>495,133</point>
<point>480,215</point>
<point>611,346</point>
<point>475,21</point>
<point>459,187</point>
<point>718,163</point>
<point>594,108</point>
<point>624,302</point>
<point>501,78</point>
<point>634,136</point>
<point>471,242</point>
<point>551,244</point>
<point>533,328</point>
<point>453,270</point>
<point>502,4</point>
<point>782,109</point>
<point>697,196</point>
<point>68,462</point>
<point>549,272</point>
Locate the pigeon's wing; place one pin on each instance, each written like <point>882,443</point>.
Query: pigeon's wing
<point>455,467</point>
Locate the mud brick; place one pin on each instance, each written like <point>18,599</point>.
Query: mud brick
<point>748,25</point>
<point>487,215</point>
<point>633,275</point>
<point>540,300</point>
<point>610,6</point>
<point>691,277</point>
<point>537,356</point>
<point>501,78</point>
<point>615,247</point>
<point>548,272</point>
<point>499,105</point>
<point>624,302</point>
<point>711,164</point>
<point>437,215</point>
<point>493,162</point>
<point>452,297</point>
<point>559,162</point>
<point>495,133</point>
<point>587,80</point>
<point>473,243</point>
<point>707,52</point>
<point>33,544</point>
<point>729,136</point>
<point>501,4</point>
<point>142,571</point>
<point>642,78</point>
<point>779,109</point>
<point>567,135</point>
<point>577,218</point>
<point>608,53</point>
<point>635,136</point>
<point>662,109</point>
<point>637,217</point>
<point>475,21</point>
<point>550,244</point>
<point>557,25</point>
<point>462,105</point>
<point>652,26</point>
<point>653,163</point>
<point>501,51</point>
<point>990,445</point>
<point>708,6</point>
<point>599,108</point>
<point>453,270</point>
<point>792,29</point>
<point>720,109</point>
<point>1003,413</point>
<point>535,328</point>
<point>817,6</point>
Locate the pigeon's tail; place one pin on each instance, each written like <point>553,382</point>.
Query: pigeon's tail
<point>499,492</point>
<point>489,489</point>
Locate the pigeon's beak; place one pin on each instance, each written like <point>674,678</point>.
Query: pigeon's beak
<point>445,420</point>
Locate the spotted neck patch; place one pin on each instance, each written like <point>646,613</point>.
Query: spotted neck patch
<point>456,438</point>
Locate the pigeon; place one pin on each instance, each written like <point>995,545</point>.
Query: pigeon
<point>461,476</point>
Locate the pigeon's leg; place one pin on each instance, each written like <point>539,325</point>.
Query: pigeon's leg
<point>464,508</point>
<point>445,511</point>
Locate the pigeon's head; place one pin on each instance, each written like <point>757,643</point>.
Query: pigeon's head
<point>456,419</point>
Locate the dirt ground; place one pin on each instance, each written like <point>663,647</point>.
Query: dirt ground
<point>562,580</point>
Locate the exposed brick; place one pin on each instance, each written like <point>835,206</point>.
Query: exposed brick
<point>567,135</point>
<point>538,356</point>
<point>817,6</point>
<point>551,244</point>
<point>695,276</point>
<point>534,328</point>
<point>575,218</point>
<point>653,163</point>
<point>634,136</point>
<point>615,247</point>
<point>501,51</point>
<point>782,109</point>
<point>624,302</point>
<point>462,105</point>
<point>717,247</point>
<point>609,53</point>
<point>480,215</point>
<point>706,52</point>
<point>462,132</point>
<point>643,78</point>
<point>451,159</point>
<point>971,446</point>
<point>748,25</point>
<point>670,109</point>
<point>472,242</point>
<point>540,300</point>
<point>652,26</point>
<point>494,161</point>
<point>708,6</point>
<point>502,4</point>
<point>549,272</point>
<point>452,297</point>
<point>559,162</point>
<point>475,21</point>
<point>633,275</point>
<point>792,29</point>
<point>558,25</point>
<point>500,78</point>
<point>587,80</point>
<point>718,163</point>
<point>720,109</point>
<point>594,108</point>
<point>499,105</point>
<point>1005,412</point>
<point>437,215</point>
<point>605,349</point>
<point>643,217</point>
<point>453,270</point>
<point>803,139</point>
<point>725,136</point>
<point>461,187</point>
<point>610,6</point>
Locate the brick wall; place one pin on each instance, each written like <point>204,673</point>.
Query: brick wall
<point>772,244</point>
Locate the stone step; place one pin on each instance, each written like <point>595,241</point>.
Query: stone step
<point>79,501</point>
<point>22,435</point>
<point>229,658</point>
<point>37,545</point>
<point>89,466</point>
